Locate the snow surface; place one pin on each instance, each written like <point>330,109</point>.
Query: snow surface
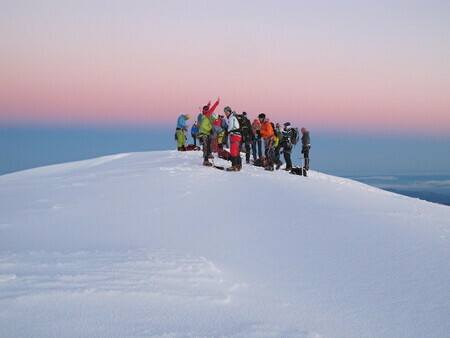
<point>154,244</point>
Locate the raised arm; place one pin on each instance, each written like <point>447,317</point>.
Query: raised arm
<point>211,110</point>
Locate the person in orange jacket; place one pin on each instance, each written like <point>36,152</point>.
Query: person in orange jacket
<point>268,134</point>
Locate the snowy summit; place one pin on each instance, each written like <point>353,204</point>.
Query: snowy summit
<point>155,244</point>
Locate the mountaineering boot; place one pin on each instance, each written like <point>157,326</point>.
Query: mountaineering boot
<point>207,164</point>
<point>233,168</point>
<point>279,164</point>
<point>238,163</point>
<point>269,168</point>
<point>233,163</point>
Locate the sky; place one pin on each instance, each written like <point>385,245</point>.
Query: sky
<point>346,64</point>
<point>357,68</point>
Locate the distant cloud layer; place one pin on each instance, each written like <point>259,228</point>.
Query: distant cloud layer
<point>407,183</point>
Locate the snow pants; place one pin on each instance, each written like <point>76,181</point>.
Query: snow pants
<point>287,150</point>
<point>305,152</point>
<point>194,137</point>
<point>235,144</point>
<point>270,150</point>
<point>206,142</point>
<point>235,148</point>
<point>256,149</point>
<point>181,138</point>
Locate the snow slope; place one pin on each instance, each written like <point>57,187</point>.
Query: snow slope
<point>154,244</point>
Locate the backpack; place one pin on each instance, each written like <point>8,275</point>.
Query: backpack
<point>299,171</point>
<point>222,153</point>
<point>245,127</point>
<point>214,132</point>
<point>261,162</point>
<point>199,120</point>
<point>296,136</point>
<point>192,147</point>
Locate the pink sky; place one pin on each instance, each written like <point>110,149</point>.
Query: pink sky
<point>351,64</point>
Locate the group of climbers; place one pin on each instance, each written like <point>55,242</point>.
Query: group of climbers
<point>215,131</point>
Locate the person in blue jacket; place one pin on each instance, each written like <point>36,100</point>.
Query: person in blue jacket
<point>180,132</point>
<point>194,132</point>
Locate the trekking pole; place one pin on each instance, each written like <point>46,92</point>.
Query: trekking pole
<point>301,161</point>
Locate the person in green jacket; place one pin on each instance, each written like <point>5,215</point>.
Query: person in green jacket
<point>207,133</point>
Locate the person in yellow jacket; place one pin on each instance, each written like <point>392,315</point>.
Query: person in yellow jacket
<point>180,135</point>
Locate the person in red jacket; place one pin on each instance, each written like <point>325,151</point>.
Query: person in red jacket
<point>208,110</point>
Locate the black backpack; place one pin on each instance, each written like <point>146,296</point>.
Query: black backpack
<point>296,136</point>
<point>245,128</point>
<point>299,171</point>
<point>273,127</point>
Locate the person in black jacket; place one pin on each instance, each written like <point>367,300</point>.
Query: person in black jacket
<point>286,144</point>
<point>247,136</point>
<point>306,145</point>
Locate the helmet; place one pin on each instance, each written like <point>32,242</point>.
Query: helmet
<point>262,116</point>
<point>227,108</point>
<point>205,108</point>
<point>287,124</point>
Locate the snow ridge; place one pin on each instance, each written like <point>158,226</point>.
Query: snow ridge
<point>155,244</point>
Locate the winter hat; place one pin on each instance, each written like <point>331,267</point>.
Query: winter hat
<point>287,124</point>
<point>227,108</point>
<point>262,116</point>
<point>205,108</point>
<point>244,113</point>
<point>214,116</point>
<point>187,116</point>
